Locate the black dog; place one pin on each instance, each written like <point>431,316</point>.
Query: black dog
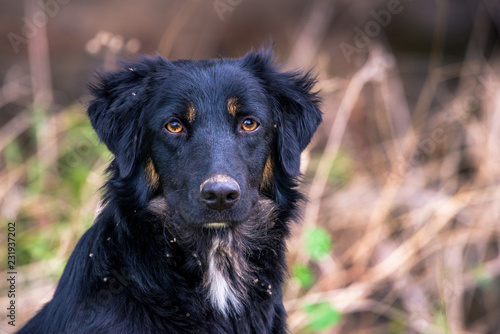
<point>202,190</point>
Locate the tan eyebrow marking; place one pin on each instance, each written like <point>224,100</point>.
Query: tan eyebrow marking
<point>233,106</point>
<point>190,113</point>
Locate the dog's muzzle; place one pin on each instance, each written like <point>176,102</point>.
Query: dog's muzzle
<point>220,192</point>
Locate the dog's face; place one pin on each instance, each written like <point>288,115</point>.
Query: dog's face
<point>211,137</point>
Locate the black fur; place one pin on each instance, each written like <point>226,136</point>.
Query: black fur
<point>149,264</point>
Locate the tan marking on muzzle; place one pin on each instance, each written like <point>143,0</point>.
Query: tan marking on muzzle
<point>267,175</point>
<point>152,177</point>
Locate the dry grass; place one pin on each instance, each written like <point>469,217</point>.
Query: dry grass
<point>416,226</point>
<point>409,195</point>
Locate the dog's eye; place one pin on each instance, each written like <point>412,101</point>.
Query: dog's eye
<point>249,124</point>
<point>174,126</point>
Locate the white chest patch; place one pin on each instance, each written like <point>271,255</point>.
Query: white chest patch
<point>223,292</point>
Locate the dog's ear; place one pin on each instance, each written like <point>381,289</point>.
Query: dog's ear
<point>116,112</point>
<point>295,107</point>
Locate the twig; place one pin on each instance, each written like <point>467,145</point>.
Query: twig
<point>376,64</point>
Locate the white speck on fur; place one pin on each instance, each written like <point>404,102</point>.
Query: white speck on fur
<point>222,294</point>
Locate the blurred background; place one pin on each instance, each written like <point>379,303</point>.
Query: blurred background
<point>401,233</point>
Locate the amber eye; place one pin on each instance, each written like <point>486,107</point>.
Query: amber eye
<point>174,126</point>
<point>249,124</point>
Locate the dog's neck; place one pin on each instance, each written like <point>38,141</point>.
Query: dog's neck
<point>227,260</point>
<point>226,277</point>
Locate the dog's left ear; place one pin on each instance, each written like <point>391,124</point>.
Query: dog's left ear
<point>295,106</point>
<point>116,112</point>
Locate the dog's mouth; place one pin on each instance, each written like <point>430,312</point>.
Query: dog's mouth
<point>216,225</point>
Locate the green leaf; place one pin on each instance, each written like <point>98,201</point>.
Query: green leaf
<point>341,171</point>
<point>318,243</point>
<point>303,274</point>
<point>322,316</point>
<point>482,277</point>
<point>397,327</point>
<point>13,153</point>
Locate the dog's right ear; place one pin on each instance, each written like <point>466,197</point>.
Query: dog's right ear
<point>116,112</point>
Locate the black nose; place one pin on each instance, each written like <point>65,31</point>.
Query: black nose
<point>220,192</point>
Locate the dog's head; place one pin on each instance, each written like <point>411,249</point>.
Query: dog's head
<point>210,137</point>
